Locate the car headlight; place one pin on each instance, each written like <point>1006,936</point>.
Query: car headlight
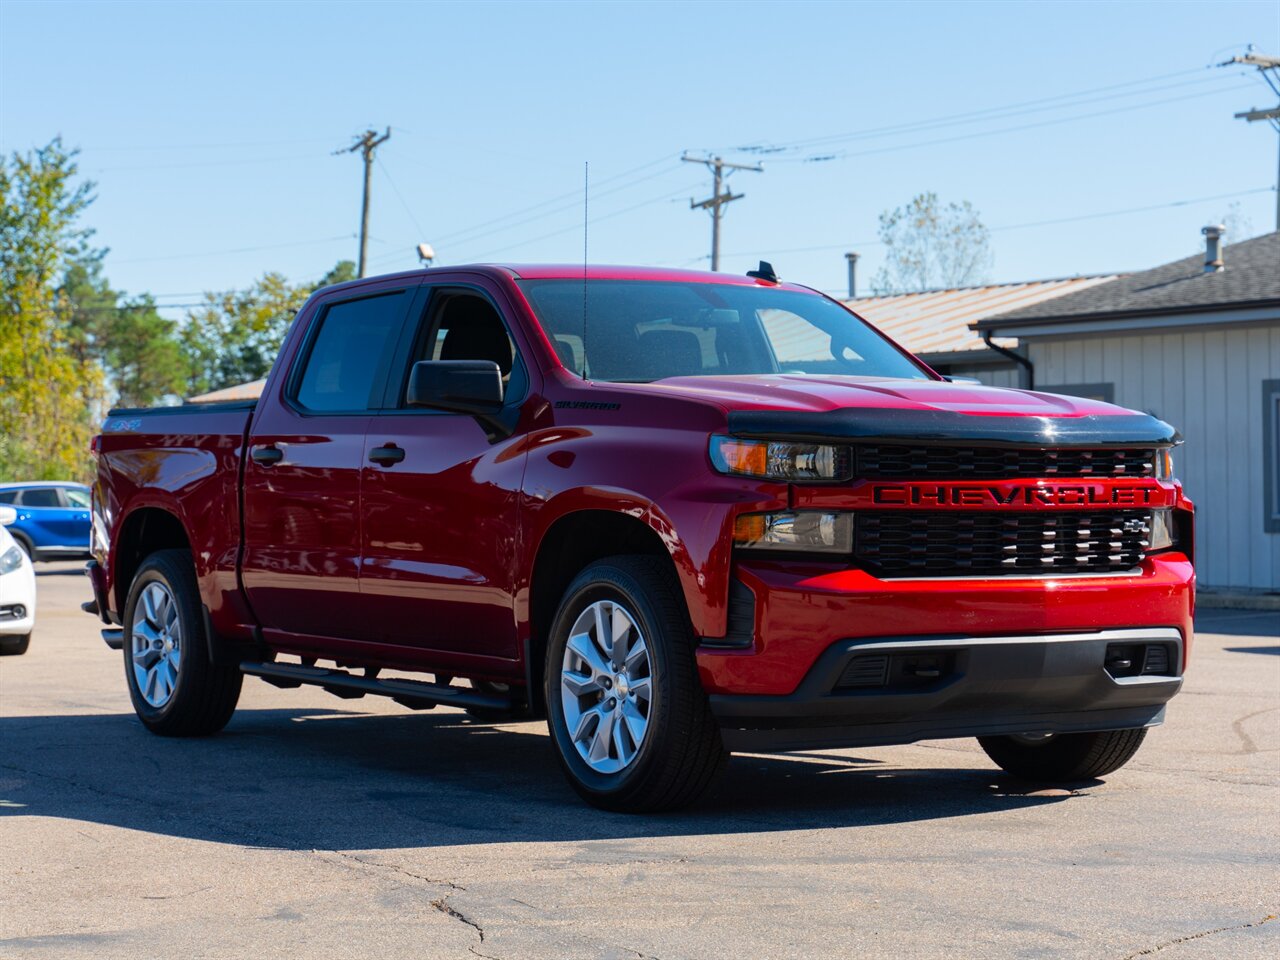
<point>1161,530</point>
<point>10,560</point>
<point>806,531</point>
<point>780,459</point>
<point>1164,464</point>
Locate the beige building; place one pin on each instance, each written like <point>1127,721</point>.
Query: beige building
<point>1197,343</point>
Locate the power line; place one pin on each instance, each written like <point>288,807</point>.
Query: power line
<point>1008,226</point>
<point>578,226</point>
<point>845,155</point>
<point>469,234</point>
<point>422,234</point>
<point>474,233</point>
<point>218,253</point>
<point>989,113</point>
<point>240,162</point>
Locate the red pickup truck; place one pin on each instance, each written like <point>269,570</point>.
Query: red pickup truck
<point>678,514</point>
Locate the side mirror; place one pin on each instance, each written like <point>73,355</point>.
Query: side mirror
<point>461,386</point>
<point>8,515</point>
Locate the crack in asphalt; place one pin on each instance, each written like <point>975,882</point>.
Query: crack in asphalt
<point>443,906</point>
<point>395,867</point>
<point>1238,726</point>
<point>1198,936</point>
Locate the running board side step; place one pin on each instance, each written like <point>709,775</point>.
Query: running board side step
<point>113,637</point>
<point>414,694</point>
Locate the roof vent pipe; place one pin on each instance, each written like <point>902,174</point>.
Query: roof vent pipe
<point>853,274</point>
<point>1213,244</point>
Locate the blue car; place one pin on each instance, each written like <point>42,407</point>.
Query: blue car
<point>53,518</point>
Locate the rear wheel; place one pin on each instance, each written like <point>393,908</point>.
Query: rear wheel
<point>14,646</point>
<point>627,713</point>
<point>176,690</point>
<point>1064,756</point>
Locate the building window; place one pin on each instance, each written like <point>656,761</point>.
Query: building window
<point>1271,454</point>
<point>1105,392</point>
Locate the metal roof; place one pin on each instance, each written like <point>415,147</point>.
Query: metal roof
<point>241,391</point>
<point>937,321</point>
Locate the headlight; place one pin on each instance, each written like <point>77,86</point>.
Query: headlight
<point>10,560</point>
<point>807,531</point>
<point>780,459</point>
<point>1164,464</point>
<point>1161,530</point>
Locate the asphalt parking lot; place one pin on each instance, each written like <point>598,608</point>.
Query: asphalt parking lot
<point>319,827</point>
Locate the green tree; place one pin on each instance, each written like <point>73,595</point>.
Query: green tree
<point>49,395</point>
<point>235,336</point>
<point>137,348</point>
<point>929,246</point>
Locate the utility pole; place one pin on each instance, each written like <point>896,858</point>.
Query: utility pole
<point>1269,67</point>
<point>366,143</point>
<point>717,201</point>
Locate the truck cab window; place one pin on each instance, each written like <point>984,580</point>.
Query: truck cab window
<point>350,350</point>
<point>465,326</point>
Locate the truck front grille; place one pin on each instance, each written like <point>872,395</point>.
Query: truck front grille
<point>913,543</point>
<point>901,461</point>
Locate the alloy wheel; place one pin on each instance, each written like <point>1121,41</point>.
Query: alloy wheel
<point>607,691</point>
<point>156,644</point>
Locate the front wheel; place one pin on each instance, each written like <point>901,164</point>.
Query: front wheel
<point>628,716</point>
<point>1064,756</point>
<point>177,691</point>
<point>14,646</point>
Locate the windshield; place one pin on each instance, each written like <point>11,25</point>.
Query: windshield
<point>640,330</point>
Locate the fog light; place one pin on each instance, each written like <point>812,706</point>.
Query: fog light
<point>806,531</point>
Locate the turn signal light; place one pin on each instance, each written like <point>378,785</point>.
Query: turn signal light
<point>806,531</point>
<point>780,460</point>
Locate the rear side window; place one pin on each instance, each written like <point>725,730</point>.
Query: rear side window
<point>76,498</point>
<point>349,354</point>
<point>41,497</point>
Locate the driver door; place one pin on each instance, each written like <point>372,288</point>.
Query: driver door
<point>440,537</point>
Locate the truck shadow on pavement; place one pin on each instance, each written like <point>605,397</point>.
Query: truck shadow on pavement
<point>337,780</point>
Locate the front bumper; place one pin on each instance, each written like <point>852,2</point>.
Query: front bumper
<point>18,602</point>
<point>933,687</point>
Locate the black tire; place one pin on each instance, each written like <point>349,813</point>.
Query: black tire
<point>205,693</point>
<point>14,646</point>
<point>681,753</point>
<point>1065,756</point>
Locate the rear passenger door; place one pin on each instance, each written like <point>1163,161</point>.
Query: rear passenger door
<point>302,527</point>
<point>49,520</point>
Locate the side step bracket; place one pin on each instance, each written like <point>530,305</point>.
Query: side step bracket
<point>414,694</point>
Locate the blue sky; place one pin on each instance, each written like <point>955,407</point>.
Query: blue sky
<point>209,128</point>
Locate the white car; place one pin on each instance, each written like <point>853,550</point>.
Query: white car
<point>17,590</point>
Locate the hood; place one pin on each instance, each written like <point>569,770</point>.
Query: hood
<point>820,394</point>
<point>919,411</point>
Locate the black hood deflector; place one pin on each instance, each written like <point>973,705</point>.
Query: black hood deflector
<point>945,428</point>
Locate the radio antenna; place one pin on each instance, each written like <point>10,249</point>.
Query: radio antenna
<point>586,193</point>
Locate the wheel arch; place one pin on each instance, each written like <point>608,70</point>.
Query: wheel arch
<point>142,533</point>
<point>573,541</point>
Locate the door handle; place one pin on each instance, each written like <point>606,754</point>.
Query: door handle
<point>386,455</point>
<point>267,455</point>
